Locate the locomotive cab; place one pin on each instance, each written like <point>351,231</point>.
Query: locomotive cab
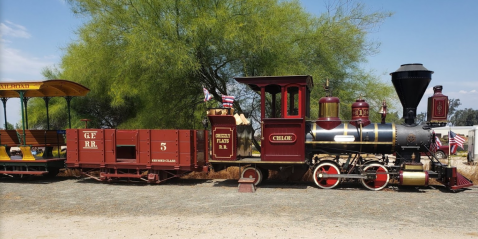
<point>283,123</point>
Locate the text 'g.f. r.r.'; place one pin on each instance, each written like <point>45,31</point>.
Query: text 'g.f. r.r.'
<point>89,142</point>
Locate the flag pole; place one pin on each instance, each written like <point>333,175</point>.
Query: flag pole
<point>449,146</point>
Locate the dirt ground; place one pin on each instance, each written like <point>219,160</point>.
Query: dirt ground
<point>72,208</point>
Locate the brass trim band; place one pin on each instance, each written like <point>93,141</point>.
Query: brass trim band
<point>394,135</point>
<point>328,109</point>
<point>313,132</point>
<point>376,136</point>
<point>256,162</point>
<point>333,142</point>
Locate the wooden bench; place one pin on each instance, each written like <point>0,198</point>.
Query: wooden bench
<point>9,138</point>
<point>41,138</point>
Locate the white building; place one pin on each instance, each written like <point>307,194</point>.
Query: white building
<point>461,130</point>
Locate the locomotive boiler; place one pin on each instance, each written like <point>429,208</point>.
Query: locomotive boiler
<point>330,135</point>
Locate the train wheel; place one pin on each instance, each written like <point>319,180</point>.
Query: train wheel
<point>251,172</point>
<point>382,177</point>
<point>326,168</point>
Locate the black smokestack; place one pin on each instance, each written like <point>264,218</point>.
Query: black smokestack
<point>411,82</point>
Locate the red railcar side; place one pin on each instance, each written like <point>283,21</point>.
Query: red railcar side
<point>149,155</point>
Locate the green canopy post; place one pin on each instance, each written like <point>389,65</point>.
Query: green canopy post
<point>21,92</point>
<point>4,100</point>
<point>25,102</point>
<point>47,99</point>
<point>68,99</point>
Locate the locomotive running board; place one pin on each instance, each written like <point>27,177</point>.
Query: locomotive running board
<point>246,161</point>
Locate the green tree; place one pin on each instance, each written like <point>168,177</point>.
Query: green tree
<point>466,117</point>
<point>421,118</point>
<point>453,105</point>
<point>9,126</point>
<point>57,112</point>
<point>147,61</point>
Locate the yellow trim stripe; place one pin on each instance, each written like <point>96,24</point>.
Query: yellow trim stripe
<point>376,132</point>
<point>333,142</point>
<point>313,133</point>
<point>345,133</point>
<point>394,134</point>
<point>256,162</point>
<point>376,136</point>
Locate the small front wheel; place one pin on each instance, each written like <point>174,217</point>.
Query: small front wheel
<point>251,172</point>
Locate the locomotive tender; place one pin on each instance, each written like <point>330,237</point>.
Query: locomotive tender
<point>333,149</point>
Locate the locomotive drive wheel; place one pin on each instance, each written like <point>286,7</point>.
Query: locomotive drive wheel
<point>382,177</point>
<point>326,168</point>
<point>251,172</point>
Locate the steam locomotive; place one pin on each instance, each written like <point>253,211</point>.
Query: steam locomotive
<point>332,149</point>
<point>289,140</point>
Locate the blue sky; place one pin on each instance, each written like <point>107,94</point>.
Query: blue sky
<point>442,35</point>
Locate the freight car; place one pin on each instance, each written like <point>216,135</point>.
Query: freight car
<point>150,155</point>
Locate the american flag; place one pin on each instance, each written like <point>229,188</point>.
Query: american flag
<point>436,145</point>
<point>455,139</point>
<point>207,96</point>
<point>453,149</point>
<point>227,101</point>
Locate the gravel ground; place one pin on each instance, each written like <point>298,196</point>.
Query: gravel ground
<point>71,208</point>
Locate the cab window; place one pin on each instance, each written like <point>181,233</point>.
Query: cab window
<point>292,101</point>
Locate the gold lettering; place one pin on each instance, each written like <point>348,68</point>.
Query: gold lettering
<point>90,145</point>
<point>163,160</point>
<point>282,138</point>
<point>223,136</point>
<point>14,86</point>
